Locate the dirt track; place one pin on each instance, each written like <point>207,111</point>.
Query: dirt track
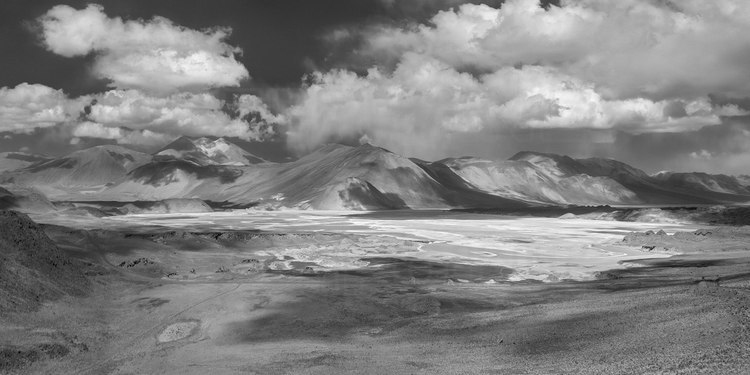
<point>686,314</point>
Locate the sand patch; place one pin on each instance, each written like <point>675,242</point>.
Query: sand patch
<point>178,331</point>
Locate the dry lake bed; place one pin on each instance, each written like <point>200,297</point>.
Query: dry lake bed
<point>305,292</point>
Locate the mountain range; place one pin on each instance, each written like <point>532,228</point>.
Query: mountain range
<point>364,177</point>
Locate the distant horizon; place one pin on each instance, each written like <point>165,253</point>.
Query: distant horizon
<point>290,158</point>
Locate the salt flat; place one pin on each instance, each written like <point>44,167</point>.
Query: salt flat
<point>398,292</point>
<point>546,249</point>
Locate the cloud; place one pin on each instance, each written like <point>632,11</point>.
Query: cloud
<point>477,72</point>
<point>133,117</point>
<point>191,114</point>
<point>718,148</point>
<point>162,74</point>
<point>28,106</point>
<point>703,154</point>
<point>154,55</point>
<point>247,105</point>
<point>425,105</point>
<point>625,47</point>
<point>119,134</point>
<point>428,7</point>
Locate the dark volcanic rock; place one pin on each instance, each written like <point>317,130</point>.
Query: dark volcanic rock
<point>32,268</point>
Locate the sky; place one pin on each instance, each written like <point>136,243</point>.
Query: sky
<point>660,84</point>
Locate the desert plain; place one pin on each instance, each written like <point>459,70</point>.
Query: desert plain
<point>410,292</point>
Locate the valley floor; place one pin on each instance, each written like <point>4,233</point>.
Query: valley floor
<point>182,301</point>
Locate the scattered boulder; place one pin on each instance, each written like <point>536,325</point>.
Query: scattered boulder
<point>137,262</point>
<point>254,265</point>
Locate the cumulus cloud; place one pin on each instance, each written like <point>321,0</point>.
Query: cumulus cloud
<point>191,114</point>
<point>162,74</point>
<point>625,47</point>
<point>425,104</point>
<point>133,117</point>
<point>712,149</point>
<point>28,106</point>
<point>703,154</point>
<point>121,135</point>
<point>480,71</point>
<point>154,55</point>
<point>426,8</point>
<point>247,105</point>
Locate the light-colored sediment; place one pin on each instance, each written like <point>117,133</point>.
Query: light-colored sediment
<point>178,331</point>
<point>683,314</point>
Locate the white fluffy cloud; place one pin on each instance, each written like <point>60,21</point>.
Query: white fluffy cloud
<point>132,117</point>
<point>625,47</point>
<point>478,71</point>
<point>251,104</point>
<point>162,73</point>
<point>155,55</point>
<point>121,135</point>
<point>28,106</point>
<point>178,114</point>
<point>425,104</point>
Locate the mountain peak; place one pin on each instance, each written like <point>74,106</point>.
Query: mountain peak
<point>180,144</point>
<point>534,155</point>
<point>207,150</point>
<point>370,147</point>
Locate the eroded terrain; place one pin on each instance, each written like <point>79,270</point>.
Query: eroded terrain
<point>447,293</point>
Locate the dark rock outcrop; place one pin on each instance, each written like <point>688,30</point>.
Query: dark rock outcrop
<point>32,268</point>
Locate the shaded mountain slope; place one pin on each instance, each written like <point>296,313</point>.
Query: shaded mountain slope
<point>647,189</point>
<point>364,177</point>
<point>33,269</point>
<point>89,168</point>
<point>333,177</point>
<point>206,151</point>
<point>383,172</point>
<point>331,165</point>
<point>713,183</point>
<point>10,161</point>
<point>172,178</point>
<point>356,194</point>
<point>463,192</point>
<point>24,199</point>
<point>528,181</point>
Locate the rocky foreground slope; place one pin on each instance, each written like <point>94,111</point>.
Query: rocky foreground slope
<point>226,302</point>
<point>33,269</point>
